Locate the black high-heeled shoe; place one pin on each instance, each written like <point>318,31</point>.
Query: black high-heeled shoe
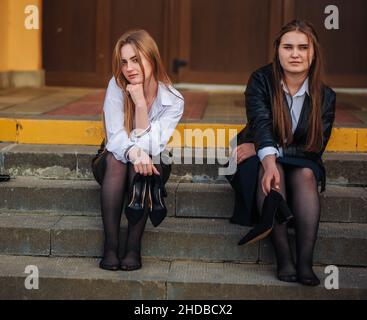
<point>135,209</point>
<point>274,207</point>
<point>4,177</point>
<point>158,210</point>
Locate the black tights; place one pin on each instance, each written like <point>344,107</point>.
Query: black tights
<point>113,191</point>
<point>305,205</point>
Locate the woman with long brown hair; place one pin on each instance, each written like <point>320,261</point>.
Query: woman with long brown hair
<point>290,115</point>
<point>141,110</point>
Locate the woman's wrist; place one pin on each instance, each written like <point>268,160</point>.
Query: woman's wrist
<point>141,105</point>
<point>133,154</point>
<point>269,161</point>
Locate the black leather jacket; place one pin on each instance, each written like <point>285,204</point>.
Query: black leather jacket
<point>259,129</point>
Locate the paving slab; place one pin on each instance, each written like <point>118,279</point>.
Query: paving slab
<point>39,105</point>
<point>201,106</point>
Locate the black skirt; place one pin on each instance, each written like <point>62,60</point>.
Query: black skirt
<point>98,165</point>
<point>244,183</point>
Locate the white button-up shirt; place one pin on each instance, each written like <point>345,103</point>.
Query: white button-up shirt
<point>295,105</point>
<point>164,115</point>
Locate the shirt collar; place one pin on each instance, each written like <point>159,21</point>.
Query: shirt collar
<point>304,88</point>
<point>164,95</point>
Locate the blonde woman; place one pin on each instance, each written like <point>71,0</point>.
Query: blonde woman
<point>141,110</point>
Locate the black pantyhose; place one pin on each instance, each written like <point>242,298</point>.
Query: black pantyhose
<point>113,190</point>
<point>132,256</point>
<point>112,197</point>
<point>305,204</point>
<point>286,269</point>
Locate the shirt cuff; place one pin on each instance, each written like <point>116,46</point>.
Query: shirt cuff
<point>262,153</point>
<point>280,149</point>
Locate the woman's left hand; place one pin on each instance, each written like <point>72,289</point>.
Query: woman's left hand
<point>142,162</point>
<point>136,92</point>
<point>244,151</point>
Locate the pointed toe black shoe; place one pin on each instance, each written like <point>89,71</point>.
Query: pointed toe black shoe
<point>158,210</point>
<point>135,209</point>
<point>274,207</point>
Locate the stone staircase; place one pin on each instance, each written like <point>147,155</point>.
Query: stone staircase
<point>50,218</point>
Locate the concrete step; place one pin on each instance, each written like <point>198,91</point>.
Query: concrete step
<point>80,278</point>
<point>176,238</point>
<point>71,162</point>
<point>338,204</point>
<point>210,200</point>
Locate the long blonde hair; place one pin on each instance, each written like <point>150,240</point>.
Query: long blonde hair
<point>281,120</point>
<point>142,43</point>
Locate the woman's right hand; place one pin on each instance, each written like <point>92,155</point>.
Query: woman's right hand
<point>136,91</point>
<point>142,162</point>
<point>244,151</point>
<point>271,178</point>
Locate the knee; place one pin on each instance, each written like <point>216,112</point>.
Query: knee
<point>307,176</point>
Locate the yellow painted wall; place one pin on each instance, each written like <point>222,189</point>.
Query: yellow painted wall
<point>3,35</point>
<point>20,48</point>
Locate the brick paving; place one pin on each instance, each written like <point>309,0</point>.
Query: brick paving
<point>200,106</point>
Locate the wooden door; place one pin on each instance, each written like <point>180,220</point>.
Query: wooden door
<point>75,48</point>
<point>345,49</point>
<point>151,16</point>
<point>79,36</point>
<point>224,41</point>
<point>221,41</point>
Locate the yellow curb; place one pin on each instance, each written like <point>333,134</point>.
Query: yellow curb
<point>362,140</point>
<point>199,135</point>
<point>8,130</point>
<point>35,131</point>
<point>343,139</point>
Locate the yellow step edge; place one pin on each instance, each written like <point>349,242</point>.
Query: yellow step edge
<point>8,130</point>
<point>82,132</point>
